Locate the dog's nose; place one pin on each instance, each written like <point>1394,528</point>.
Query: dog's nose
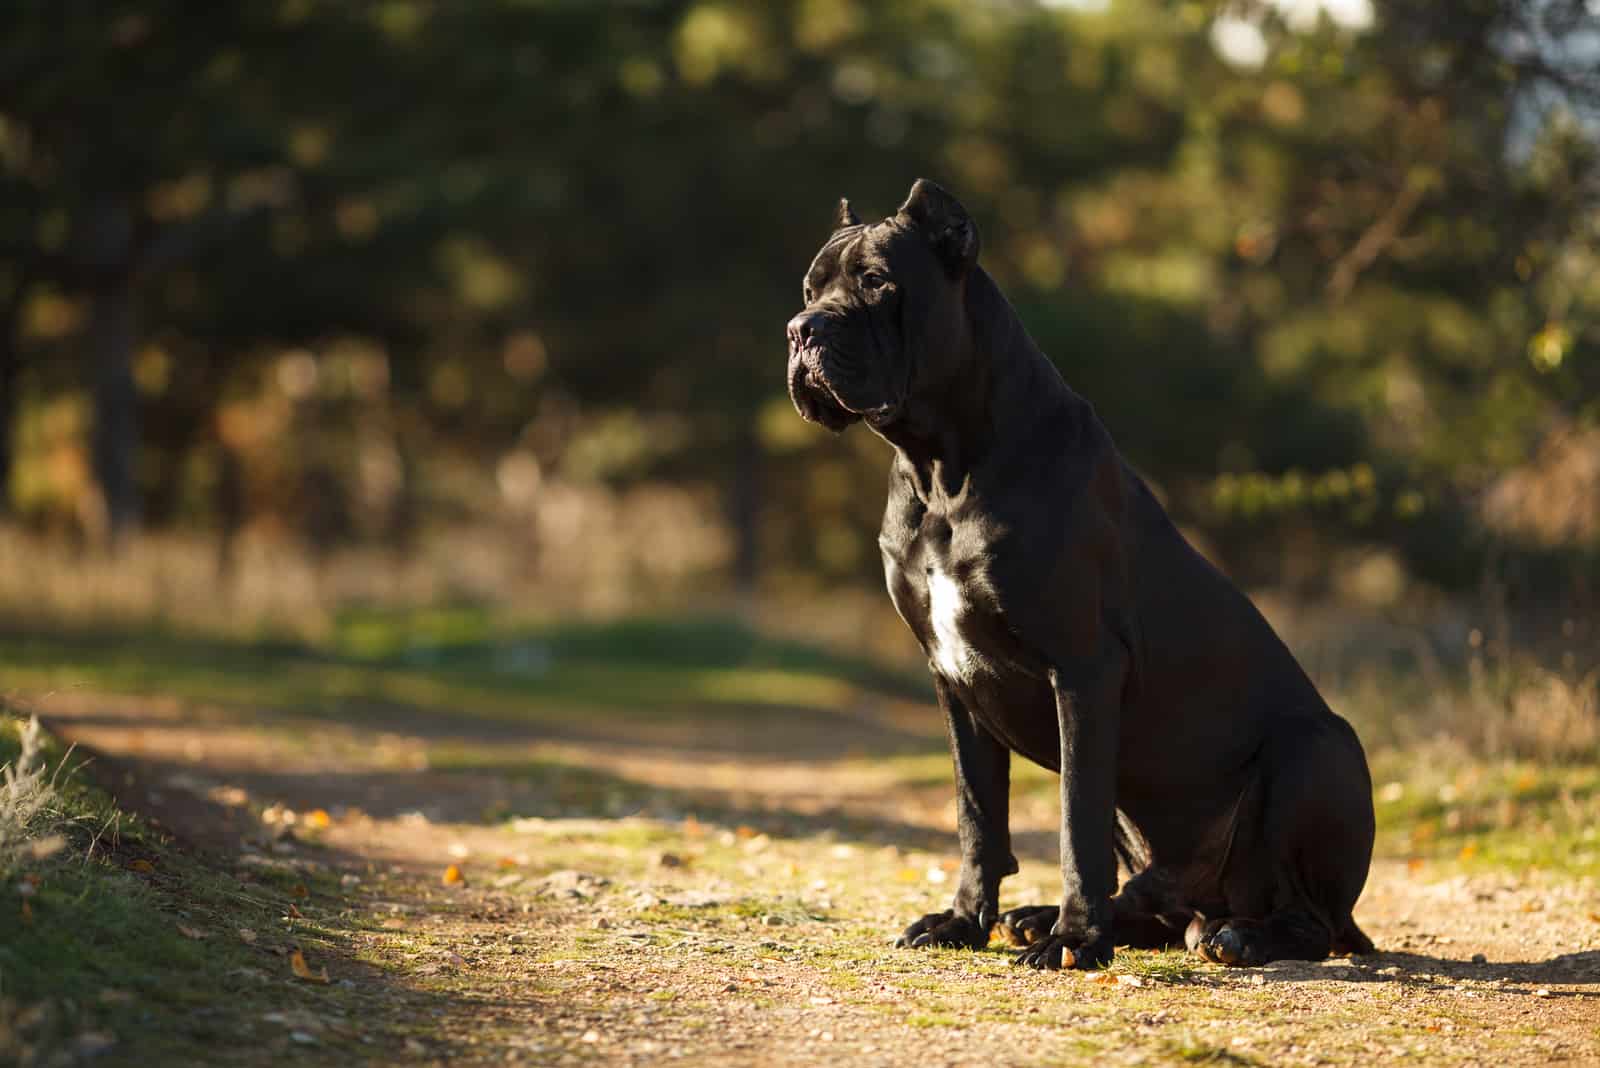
<point>804,327</point>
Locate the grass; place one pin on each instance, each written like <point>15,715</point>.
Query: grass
<point>460,663</point>
<point>464,664</point>
<point>123,941</point>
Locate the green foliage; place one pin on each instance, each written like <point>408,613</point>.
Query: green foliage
<point>374,246</point>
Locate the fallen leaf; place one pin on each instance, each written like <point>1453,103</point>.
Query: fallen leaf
<point>247,936</point>
<point>302,970</point>
<point>507,862</point>
<point>294,913</point>
<point>744,831</point>
<point>48,846</point>
<point>191,932</point>
<point>452,876</point>
<point>1414,865</point>
<point>1099,977</point>
<point>143,867</point>
<point>1468,851</point>
<point>1595,916</point>
<point>318,819</point>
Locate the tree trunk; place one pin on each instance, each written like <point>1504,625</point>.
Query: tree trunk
<point>746,510</point>
<point>10,381</point>
<point>116,405</point>
<point>10,365</point>
<point>112,334</point>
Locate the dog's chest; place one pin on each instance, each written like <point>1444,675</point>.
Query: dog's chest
<point>939,586</point>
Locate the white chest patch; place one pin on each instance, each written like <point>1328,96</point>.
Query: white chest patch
<point>949,652</point>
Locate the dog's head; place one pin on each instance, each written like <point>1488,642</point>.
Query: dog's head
<point>884,314</point>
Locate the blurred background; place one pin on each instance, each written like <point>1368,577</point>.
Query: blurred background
<point>318,316</point>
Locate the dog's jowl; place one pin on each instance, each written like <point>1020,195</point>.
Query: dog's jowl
<point>1065,618</point>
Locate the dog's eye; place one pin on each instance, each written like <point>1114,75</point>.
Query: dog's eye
<point>873,280</point>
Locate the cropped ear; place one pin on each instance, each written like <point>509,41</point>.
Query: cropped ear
<point>844,216</point>
<point>946,224</point>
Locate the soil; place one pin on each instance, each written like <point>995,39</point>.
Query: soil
<point>714,896</point>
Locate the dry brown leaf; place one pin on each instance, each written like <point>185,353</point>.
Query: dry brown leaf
<point>318,820</point>
<point>1414,865</point>
<point>507,862</point>
<point>452,876</point>
<point>1099,977</point>
<point>191,932</point>
<point>143,867</point>
<point>48,846</point>
<point>744,832</point>
<point>1468,851</point>
<point>302,970</point>
<point>247,936</point>
<point>294,913</point>
<point>1595,916</point>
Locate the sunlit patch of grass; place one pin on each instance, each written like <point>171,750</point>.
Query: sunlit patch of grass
<point>1472,814</point>
<point>460,665</point>
<point>1172,966</point>
<point>1190,1050</point>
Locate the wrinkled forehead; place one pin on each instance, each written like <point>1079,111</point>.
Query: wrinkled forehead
<point>852,248</point>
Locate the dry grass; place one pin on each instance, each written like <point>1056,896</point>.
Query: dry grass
<point>26,792</point>
<point>583,549</point>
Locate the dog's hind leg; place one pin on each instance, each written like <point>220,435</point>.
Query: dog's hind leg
<point>1290,887</point>
<point>1288,934</point>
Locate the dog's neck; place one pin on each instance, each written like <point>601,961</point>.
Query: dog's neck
<point>1000,383</point>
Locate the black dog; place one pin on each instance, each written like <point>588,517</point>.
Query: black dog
<point>1066,618</point>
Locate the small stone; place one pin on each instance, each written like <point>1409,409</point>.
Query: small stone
<point>1542,992</point>
<point>1479,958</point>
<point>1392,969</point>
<point>591,1037</point>
<point>669,860</point>
<point>305,1038</point>
<point>771,920</point>
<point>601,923</point>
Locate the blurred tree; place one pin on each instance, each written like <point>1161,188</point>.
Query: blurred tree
<point>1325,266</point>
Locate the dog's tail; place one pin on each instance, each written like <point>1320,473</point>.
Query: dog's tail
<point>1351,939</point>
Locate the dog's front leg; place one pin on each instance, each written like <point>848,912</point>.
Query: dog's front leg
<point>983,785</point>
<point>1087,719</point>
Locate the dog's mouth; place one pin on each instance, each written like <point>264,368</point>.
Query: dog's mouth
<point>817,399</point>
<point>813,397</point>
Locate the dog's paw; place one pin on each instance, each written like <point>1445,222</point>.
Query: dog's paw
<point>1025,926</point>
<point>1235,943</point>
<point>1056,951</point>
<point>947,929</point>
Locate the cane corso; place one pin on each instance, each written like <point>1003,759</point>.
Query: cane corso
<point>1067,619</point>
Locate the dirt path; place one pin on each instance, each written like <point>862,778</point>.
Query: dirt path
<point>730,905</point>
